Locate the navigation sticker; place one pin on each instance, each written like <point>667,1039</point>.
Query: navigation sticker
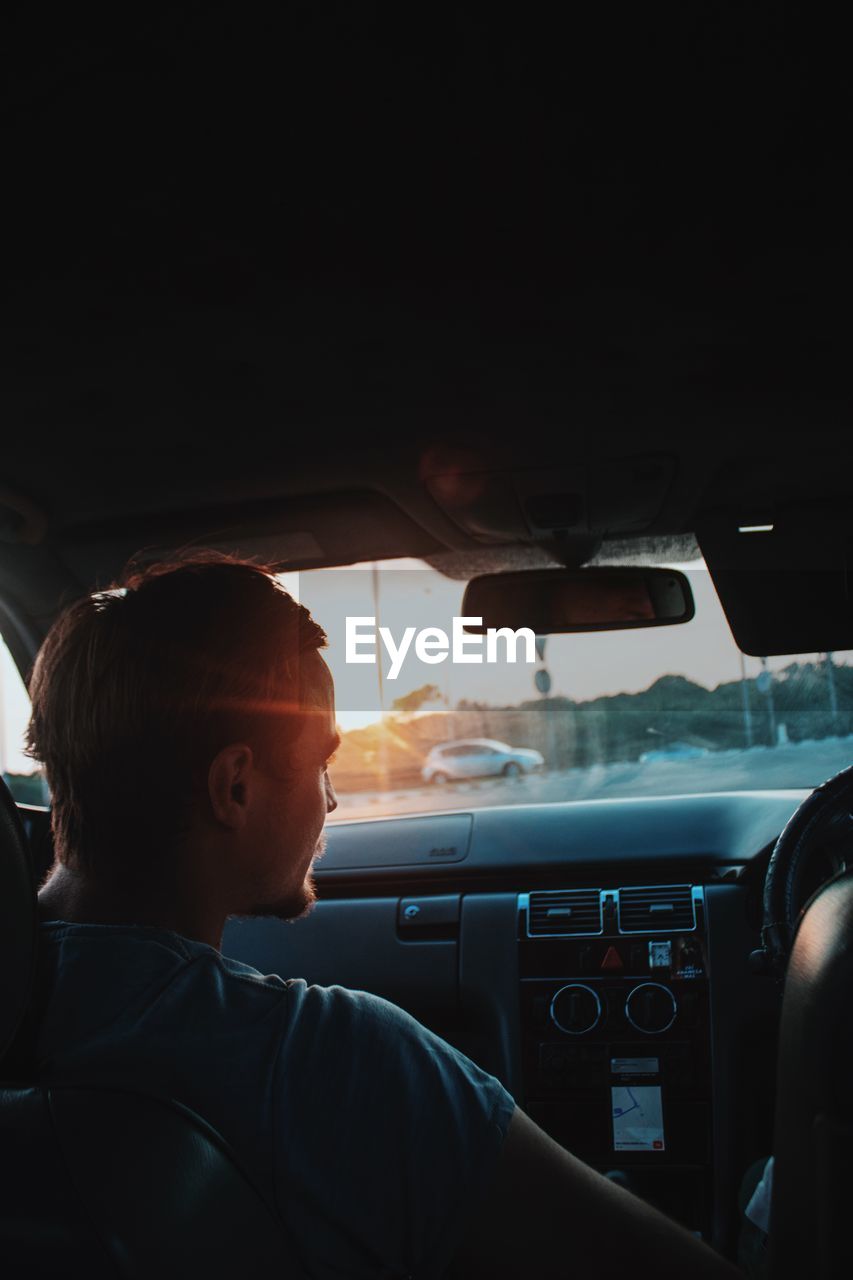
<point>637,1117</point>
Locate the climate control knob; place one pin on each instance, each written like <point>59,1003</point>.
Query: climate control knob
<point>651,1008</point>
<point>575,1009</point>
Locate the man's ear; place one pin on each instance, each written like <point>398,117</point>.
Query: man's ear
<point>229,784</point>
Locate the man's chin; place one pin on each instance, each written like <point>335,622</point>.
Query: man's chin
<point>291,908</point>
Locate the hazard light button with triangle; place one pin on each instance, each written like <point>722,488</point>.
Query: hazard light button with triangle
<point>612,959</point>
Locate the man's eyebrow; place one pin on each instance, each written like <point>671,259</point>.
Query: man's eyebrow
<point>332,745</point>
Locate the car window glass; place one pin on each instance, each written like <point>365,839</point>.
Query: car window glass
<point>21,775</point>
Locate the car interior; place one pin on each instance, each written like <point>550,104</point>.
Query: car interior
<point>335,294</point>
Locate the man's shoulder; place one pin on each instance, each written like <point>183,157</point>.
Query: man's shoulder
<point>149,973</point>
<point>317,1004</point>
<point>122,959</point>
<point>162,947</point>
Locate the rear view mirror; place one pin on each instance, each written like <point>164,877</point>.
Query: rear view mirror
<point>555,601</point>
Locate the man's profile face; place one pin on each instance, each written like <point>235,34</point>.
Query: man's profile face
<point>292,806</point>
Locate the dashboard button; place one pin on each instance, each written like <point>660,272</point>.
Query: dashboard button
<point>575,1009</point>
<point>429,912</point>
<point>651,1008</point>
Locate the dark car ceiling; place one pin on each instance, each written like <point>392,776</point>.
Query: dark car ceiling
<point>332,282</point>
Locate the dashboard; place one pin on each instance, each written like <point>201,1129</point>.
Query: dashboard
<point>594,956</point>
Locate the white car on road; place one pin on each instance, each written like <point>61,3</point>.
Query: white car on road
<point>478,758</point>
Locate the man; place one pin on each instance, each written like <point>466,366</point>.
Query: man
<point>186,725</point>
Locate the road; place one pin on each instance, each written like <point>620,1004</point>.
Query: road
<point>797,765</point>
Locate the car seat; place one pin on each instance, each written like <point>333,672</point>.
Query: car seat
<point>810,1230</point>
<point>94,1176</point>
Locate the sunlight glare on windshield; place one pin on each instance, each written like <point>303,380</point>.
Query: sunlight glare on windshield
<point>613,713</point>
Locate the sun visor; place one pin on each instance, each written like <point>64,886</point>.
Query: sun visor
<point>299,531</point>
<point>582,502</point>
<point>783,576</point>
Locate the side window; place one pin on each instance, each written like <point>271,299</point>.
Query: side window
<point>21,775</point>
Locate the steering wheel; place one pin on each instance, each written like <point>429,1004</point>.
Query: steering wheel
<point>821,821</point>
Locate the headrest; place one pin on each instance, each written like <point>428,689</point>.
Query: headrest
<point>18,920</point>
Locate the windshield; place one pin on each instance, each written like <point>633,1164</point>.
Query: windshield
<point>662,711</point>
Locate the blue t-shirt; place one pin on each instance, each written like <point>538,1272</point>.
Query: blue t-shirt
<point>372,1137</point>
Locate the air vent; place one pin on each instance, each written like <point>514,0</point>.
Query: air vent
<point>665,908</point>
<point>564,913</point>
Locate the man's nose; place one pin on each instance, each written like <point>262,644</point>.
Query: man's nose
<point>331,798</point>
